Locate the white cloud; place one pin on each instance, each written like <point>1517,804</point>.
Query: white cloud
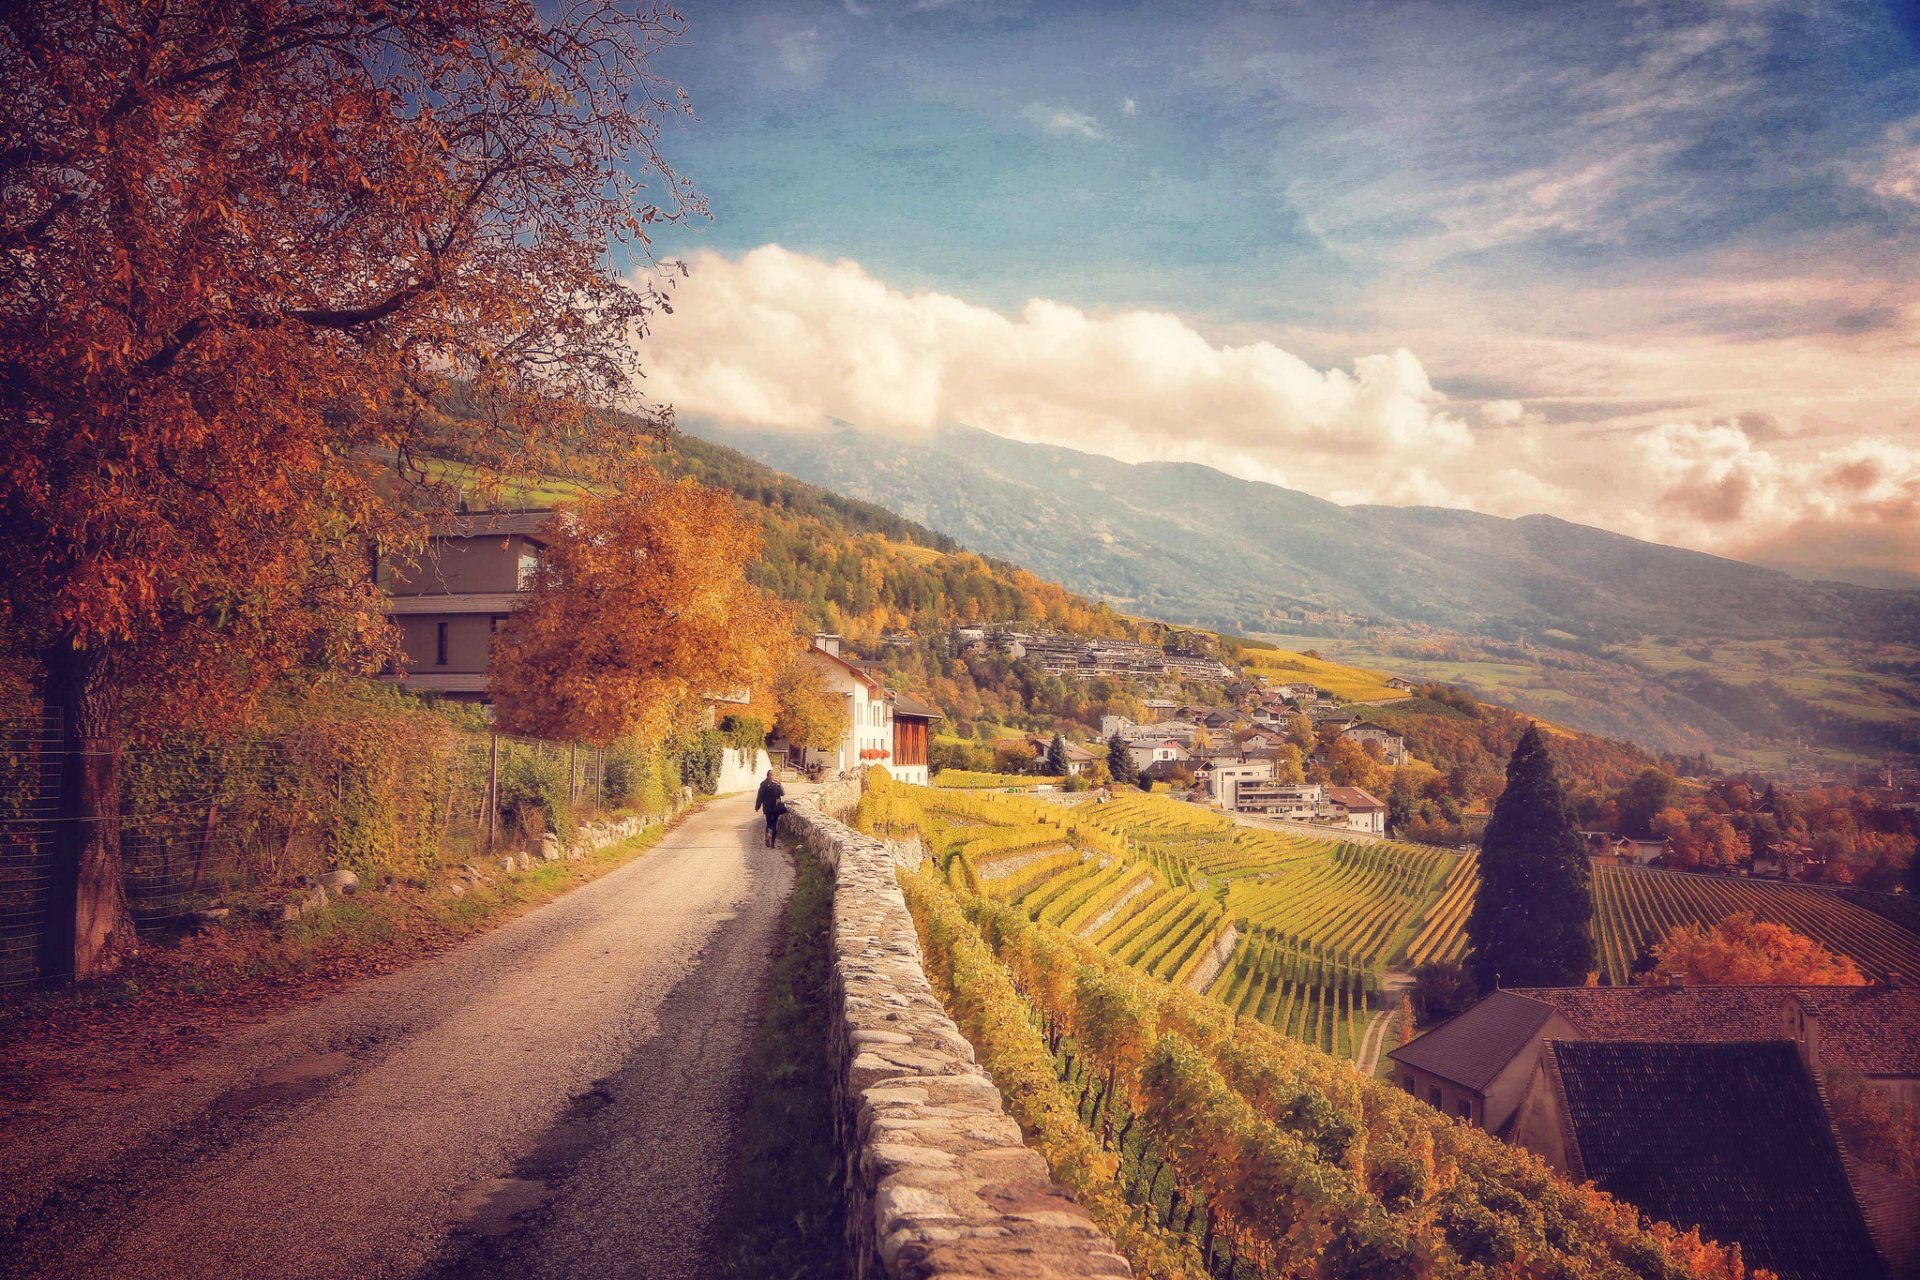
<point>777,339</point>
<point>1064,122</point>
<point>1128,107</point>
<point>800,52</point>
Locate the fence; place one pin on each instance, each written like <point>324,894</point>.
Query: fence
<point>204,822</point>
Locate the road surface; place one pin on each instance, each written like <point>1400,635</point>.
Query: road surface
<point>551,1099</point>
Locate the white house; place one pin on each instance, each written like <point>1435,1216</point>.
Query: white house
<point>1358,810</point>
<point>1147,751</point>
<point>1393,747</point>
<point>883,727</point>
<point>1226,778</point>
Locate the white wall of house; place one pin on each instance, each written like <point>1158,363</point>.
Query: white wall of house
<point>741,770</point>
<point>1228,777</point>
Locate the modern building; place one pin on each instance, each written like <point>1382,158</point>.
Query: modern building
<point>1294,801</point>
<point>1225,778</point>
<point>448,599</point>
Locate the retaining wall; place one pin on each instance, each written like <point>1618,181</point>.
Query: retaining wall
<point>938,1182</point>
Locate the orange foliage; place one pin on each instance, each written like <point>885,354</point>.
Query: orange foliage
<point>1740,951</point>
<point>243,247</point>
<point>640,607</point>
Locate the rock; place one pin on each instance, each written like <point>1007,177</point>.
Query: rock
<point>526,862</point>
<point>340,881</point>
<point>457,889</point>
<point>206,918</point>
<point>550,848</point>
<point>506,864</point>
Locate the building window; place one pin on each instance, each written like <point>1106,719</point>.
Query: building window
<point>1433,1096</point>
<point>1464,1108</point>
<point>1406,1082</point>
<point>440,644</point>
<point>528,563</point>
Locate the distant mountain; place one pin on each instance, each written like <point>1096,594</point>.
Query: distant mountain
<point>1188,543</point>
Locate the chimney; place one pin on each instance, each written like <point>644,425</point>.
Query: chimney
<point>828,642</point>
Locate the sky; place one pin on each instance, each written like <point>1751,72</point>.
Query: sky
<point>1645,266</point>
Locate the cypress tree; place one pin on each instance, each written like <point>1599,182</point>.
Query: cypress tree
<point>1057,757</point>
<point>1532,921</point>
<point>1120,761</point>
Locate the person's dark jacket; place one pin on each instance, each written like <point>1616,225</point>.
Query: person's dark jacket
<point>771,798</point>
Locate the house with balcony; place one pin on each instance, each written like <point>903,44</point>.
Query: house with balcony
<point>448,598</point>
<point>885,728</point>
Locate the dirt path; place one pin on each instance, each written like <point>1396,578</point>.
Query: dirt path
<point>552,1098</point>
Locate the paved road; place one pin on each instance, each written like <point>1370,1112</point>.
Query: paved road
<point>551,1099</point>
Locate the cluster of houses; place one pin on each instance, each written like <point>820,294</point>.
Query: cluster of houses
<point>1700,1105</point>
<point>1092,659</point>
<point>1230,755</point>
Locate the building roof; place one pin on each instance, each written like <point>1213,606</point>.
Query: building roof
<point>905,704</point>
<point>1872,1030</point>
<point>1358,725</point>
<point>1732,1138</point>
<point>1474,1047</point>
<point>1695,1014</point>
<point>489,524</point>
<point>1354,798</point>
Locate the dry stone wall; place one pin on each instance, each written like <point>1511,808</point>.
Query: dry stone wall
<point>938,1181</point>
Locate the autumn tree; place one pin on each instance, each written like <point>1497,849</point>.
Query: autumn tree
<point>1532,918</point>
<point>1739,951</point>
<point>639,608</point>
<point>244,248</point>
<point>807,713</point>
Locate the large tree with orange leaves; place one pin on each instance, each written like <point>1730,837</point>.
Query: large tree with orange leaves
<point>244,245</point>
<point>640,608</point>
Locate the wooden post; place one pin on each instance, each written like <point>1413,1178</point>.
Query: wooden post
<point>599,772</point>
<point>493,789</point>
<point>573,771</point>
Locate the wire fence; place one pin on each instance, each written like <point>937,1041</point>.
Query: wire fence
<point>231,823</point>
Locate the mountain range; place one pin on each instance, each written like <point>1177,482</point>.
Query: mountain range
<point>1188,543</point>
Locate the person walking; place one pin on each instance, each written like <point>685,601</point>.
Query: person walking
<point>771,799</point>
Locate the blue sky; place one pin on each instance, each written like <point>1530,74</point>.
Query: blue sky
<point>1677,226</point>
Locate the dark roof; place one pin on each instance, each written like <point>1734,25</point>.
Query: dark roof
<point>1872,1030</point>
<point>1731,1138</point>
<point>1694,1014</point>
<point>1471,1049</point>
<point>907,705</point>
<point>489,524</point>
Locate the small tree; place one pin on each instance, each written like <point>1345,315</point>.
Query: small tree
<point>807,713</point>
<point>1532,920</point>
<point>1120,764</point>
<point>1740,951</point>
<point>1057,763</point>
<point>640,607</point>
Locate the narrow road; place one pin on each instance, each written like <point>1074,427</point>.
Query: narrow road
<point>551,1099</point>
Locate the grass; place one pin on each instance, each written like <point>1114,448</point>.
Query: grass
<point>784,1217</point>
<point>1352,683</point>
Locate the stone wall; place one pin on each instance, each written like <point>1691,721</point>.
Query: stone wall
<point>938,1180</point>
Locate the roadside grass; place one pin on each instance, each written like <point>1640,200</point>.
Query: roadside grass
<point>177,991</point>
<point>784,1217</point>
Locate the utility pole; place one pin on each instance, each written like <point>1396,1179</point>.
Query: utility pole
<point>493,789</point>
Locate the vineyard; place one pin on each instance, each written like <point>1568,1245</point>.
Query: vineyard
<point>1291,930</point>
<point>1209,1146</point>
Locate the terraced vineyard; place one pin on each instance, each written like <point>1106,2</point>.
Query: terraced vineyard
<point>1291,930</point>
<point>1635,907</point>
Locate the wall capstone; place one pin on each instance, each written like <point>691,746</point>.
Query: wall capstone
<point>938,1180</point>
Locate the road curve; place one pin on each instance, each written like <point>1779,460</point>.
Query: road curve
<point>552,1098</point>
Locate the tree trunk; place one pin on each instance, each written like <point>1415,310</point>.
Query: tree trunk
<point>88,930</point>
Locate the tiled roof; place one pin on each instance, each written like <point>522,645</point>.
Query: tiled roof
<point>1670,1013</point>
<point>1354,798</point>
<point>1872,1030</point>
<point>908,705</point>
<point>1732,1138</point>
<point>1471,1049</point>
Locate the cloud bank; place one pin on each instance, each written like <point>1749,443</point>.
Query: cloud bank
<point>776,339</point>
